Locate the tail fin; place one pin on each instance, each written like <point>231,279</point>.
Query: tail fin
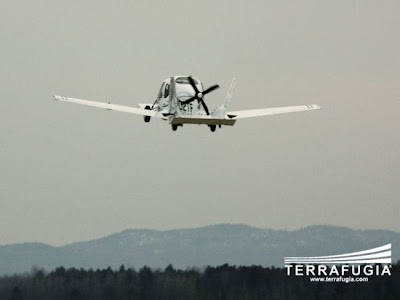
<point>230,92</point>
<point>220,111</point>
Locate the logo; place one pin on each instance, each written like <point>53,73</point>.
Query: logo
<point>348,267</point>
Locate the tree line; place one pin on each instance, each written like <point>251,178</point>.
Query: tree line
<point>222,282</point>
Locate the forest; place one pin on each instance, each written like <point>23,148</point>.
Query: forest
<point>222,282</point>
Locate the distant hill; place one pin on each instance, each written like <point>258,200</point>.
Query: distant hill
<point>211,245</point>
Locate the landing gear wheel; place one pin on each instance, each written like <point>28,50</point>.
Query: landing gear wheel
<point>147,118</point>
<point>212,128</point>
<point>174,127</point>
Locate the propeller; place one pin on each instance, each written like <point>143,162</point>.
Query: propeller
<point>200,95</point>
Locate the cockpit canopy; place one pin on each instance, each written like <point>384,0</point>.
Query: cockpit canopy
<point>183,86</point>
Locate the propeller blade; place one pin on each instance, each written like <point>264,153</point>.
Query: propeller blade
<point>211,88</point>
<point>204,106</point>
<point>189,100</point>
<point>193,84</point>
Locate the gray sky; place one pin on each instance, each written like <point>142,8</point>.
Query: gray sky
<point>72,173</point>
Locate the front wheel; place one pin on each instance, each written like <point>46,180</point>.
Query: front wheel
<point>174,127</point>
<point>212,128</point>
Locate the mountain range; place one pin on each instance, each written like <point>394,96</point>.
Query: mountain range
<point>213,245</point>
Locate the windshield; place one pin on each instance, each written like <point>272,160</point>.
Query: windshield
<point>185,80</point>
<point>160,93</point>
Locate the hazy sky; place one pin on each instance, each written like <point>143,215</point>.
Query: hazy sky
<point>72,173</point>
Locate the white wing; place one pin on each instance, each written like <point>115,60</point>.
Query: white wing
<point>109,106</point>
<point>269,111</point>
